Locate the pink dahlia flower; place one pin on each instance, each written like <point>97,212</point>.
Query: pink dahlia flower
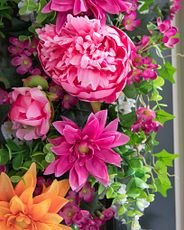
<point>97,7</point>
<point>88,60</point>
<point>30,113</point>
<point>85,151</point>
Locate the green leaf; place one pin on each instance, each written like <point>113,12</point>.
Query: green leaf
<point>128,119</point>
<point>15,179</point>
<point>163,184</point>
<point>167,71</point>
<point>110,193</point>
<point>130,91</point>
<point>140,183</point>
<point>17,162</point>
<point>162,116</point>
<point>4,156</point>
<point>165,157</point>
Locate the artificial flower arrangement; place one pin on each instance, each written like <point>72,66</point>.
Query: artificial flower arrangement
<point>80,110</point>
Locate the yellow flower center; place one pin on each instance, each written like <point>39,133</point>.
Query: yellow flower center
<point>25,62</point>
<point>83,149</point>
<point>22,221</point>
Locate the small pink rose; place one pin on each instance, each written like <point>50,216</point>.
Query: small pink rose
<point>30,113</point>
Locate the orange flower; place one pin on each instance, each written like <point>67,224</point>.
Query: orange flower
<point>20,210</point>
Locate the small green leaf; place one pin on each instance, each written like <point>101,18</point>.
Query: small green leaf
<point>162,116</point>
<point>4,156</point>
<point>17,161</point>
<point>167,71</point>
<point>166,158</point>
<point>15,179</point>
<point>128,119</point>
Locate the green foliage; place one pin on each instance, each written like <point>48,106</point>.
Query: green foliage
<point>167,71</point>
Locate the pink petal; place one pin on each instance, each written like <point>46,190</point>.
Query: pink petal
<point>91,128</point>
<point>78,176</point>
<point>51,168</point>
<point>62,149</point>
<point>71,134</point>
<point>109,156</point>
<point>98,169</point>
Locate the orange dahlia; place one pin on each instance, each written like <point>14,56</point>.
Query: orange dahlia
<point>20,210</point>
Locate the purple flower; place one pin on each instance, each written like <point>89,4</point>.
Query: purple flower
<point>68,212</point>
<point>23,63</point>
<point>85,151</point>
<point>87,192</point>
<point>129,21</point>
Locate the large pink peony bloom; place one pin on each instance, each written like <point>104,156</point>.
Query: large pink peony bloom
<point>97,7</point>
<point>85,151</point>
<point>30,113</point>
<point>88,60</point>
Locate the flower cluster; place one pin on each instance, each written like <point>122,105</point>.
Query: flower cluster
<point>73,214</point>
<point>129,21</point>
<point>142,68</point>
<point>145,121</point>
<point>85,105</point>
<point>22,53</point>
<point>169,32</point>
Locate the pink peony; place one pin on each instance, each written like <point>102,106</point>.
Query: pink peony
<point>85,151</point>
<point>97,7</point>
<point>30,113</point>
<point>88,60</point>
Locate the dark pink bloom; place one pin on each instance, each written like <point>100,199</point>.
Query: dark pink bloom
<point>2,168</point>
<point>85,151</point>
<point>35,71</point>
<point>69,101</point>
<point>4,97</point>
<point>175,7</point>
<point>87,192</point>
<point>143,43</point>
<point>98,8</point>
<point>129,21</point>
<point>81,218</point>
<point>108,214</point>
<point>88,60</point>
<point>23,62</point>
<point>169,32</point>
<point>145,121</point>
<point>68,212</point>
<point>73,197</point>
<point>17,47</point>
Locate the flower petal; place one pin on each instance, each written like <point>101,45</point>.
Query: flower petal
<point>6,188</point>
<point>98,169</point>
<point>109,156</point>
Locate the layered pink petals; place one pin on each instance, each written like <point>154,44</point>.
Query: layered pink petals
<point>85,151</point>
<point>97,7</point>
<point>88,60</point>
<point>30,113</point>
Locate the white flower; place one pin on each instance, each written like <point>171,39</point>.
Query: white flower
<point>7,131</point>
<point>122,189</point>
<point>135,224</point>
<point>142,204</point>
<point>125,105</point>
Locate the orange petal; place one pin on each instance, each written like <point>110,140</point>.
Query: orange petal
<point>42,226</point>
<point>27,196</point>
<point>63,187</point>
<point>52,218</point>
<point>16,205</point>
<point>29,180</point>
<point>59,227</point>
<point>40,210</point>
<point>4,209</point>
<point>51,192</point>
<point>6,188</point>
<point>57,204</point>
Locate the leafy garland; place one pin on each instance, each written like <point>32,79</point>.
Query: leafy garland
<point>139,108</point>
